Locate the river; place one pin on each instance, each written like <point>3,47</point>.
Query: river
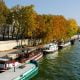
<point>64,65</point>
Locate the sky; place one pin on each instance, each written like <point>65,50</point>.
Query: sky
<point>67,8</point>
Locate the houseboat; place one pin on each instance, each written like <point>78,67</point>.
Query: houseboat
<point>48,48</point>
<point>26,56</point>
<point>72,41</point>
<point>63,44</point>
<point>7,63</point>
<point>21,56</point>
<point>30,72</point>
<point>21,73</point>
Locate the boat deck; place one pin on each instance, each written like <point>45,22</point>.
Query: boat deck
<point>11,75</point>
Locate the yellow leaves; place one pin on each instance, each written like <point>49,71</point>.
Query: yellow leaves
<point>79,29</point>
<point>45,27</point>
<point>73,25</point>
<point>3,12</point>
<point>59,26</point>
<point>54,27</point>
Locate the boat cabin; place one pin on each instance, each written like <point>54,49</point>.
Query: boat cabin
<point>7,63</point>
<point>51,47</point>
<point>28,55</point>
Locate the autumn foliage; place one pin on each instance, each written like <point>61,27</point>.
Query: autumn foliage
<point>30,24</point>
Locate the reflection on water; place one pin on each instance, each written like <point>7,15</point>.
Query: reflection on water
<point>52,55</point>
<point>65,66</point>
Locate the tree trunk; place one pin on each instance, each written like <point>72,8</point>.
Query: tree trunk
<point>12,35</point>
<point>8,33</point>
<point>3,33</point>
<point>3,36</point>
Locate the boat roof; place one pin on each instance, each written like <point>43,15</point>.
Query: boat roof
<point>4,59</point>
<point>16,51</point>
<point>50,44</point>
<point>11,75</point>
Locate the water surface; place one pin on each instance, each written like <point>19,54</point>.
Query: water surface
<point>64,66</point>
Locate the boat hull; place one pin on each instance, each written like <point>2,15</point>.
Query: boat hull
<point>63,45</point>
<point>28,74</point>
<point>36,57</point>
<point>49,51</point>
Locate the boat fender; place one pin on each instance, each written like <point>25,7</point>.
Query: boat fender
<point>34,62</point>
<point>21,75</point>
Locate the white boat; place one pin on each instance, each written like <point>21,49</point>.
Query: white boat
<point>7,63</point>
<point>22,72</point>
<point>52,47</point>
<point>63,45</point>
<point>11,61</point>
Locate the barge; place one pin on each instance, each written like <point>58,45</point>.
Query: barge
<point>21,73</point>
<point>63,45</point>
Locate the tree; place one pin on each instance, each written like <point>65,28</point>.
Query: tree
<point>78,30</point>
<point>59,27</point>
<point>26,23</point>
<point>3,16</point>
<point>72,27</point>
<point>29,20</point>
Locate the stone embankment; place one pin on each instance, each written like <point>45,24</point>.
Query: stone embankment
<point>8,45</point>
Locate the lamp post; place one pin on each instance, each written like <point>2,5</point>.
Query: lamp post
<point>14,66</point>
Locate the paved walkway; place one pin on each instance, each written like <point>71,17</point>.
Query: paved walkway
<point>11,75</point>
<point>4,53</point>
